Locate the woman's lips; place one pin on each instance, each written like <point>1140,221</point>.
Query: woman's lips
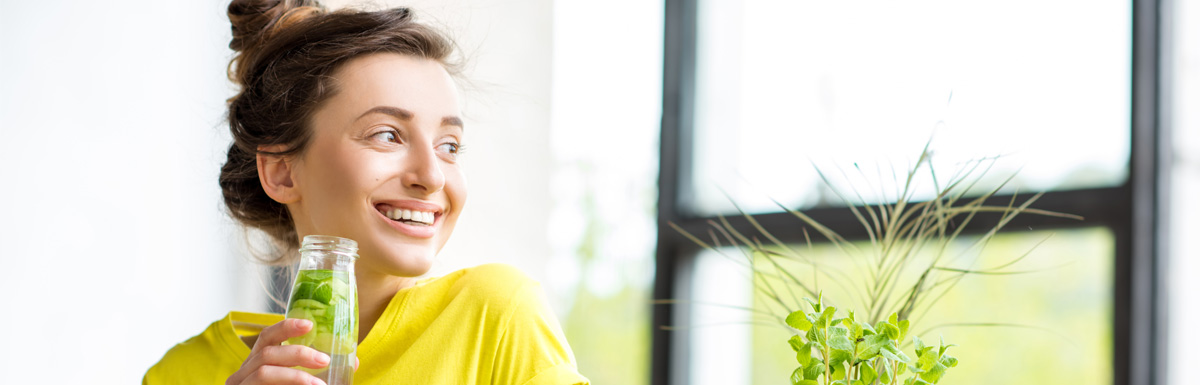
<point>412,229</point>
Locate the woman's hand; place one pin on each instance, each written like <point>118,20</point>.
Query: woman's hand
<point>271,363</point>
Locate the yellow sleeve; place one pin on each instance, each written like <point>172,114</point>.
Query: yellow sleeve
<point>532,348</point>
<point>213,355</point>
<point>199,360</point>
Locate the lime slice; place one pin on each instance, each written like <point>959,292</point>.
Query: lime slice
<point>322,293</point>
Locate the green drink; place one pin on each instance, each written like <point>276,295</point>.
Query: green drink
<point>325,293</point>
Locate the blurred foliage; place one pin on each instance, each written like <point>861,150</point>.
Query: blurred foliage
<point>609,333</point>
<point>610,336</point>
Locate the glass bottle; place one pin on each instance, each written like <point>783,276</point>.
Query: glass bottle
<point>325,292</point>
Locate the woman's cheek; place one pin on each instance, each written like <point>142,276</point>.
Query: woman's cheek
<point>458,197</point>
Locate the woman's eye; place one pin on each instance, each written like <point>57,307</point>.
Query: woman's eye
<point>450,148</point>
<point>387,136</point>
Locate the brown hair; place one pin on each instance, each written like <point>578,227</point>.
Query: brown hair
<point>286,52</point>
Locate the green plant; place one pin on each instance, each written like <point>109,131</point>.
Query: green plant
<point>856,353</point>
<point>911,263</point>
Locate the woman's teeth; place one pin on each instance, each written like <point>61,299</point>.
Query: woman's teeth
<point>421,217</point>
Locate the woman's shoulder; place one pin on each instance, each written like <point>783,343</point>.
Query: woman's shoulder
<point>498,275</point>
<point>530,345</point>
<point>493,283</point>
<point>213,354</point>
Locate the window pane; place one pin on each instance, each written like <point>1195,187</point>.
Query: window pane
<point>781,83</point>
<point>602,224</point>
<point>1065,309</point>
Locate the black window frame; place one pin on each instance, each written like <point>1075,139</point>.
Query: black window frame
<point>1133,211</point>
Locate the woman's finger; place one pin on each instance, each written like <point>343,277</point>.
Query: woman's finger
<point>288,355</point>
<point>281,331</point>
<point>275,375</point>
<point>272,336</point>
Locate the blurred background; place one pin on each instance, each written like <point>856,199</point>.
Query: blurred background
<point>117,246</point>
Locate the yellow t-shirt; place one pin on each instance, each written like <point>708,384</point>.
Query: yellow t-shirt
<point>483,325</point>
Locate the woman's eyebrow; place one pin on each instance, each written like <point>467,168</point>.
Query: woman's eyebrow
<point>406,115</point>
<point>397,112</point>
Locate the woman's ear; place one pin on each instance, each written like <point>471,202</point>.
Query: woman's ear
<point>275,174</point>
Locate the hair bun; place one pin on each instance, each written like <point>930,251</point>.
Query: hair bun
<point>256,20</point>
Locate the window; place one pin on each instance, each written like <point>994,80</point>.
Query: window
<point>781,82</point>
<point>755,89</point>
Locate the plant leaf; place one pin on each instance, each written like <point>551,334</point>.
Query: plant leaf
<point>915,381</point>
<point>920,345</point>
<point>839,369</point>
<point>811,372</point>
<point>926,358</point>
<point>826,316</point>
<point>798,320</point>
<point>816,335</point>
<point>871,345</point>
<point>796,343</point>
<point>856,329</point>
<point>803,350</point>
<point>891,352</point>
<point>948,361</point>
<point>804,354</point>
<point>839,338</point>
<point>867,373</point>
<point>837,363</point>
<point>891,331</point>
<point>798,378</point>
<point>934,373</point>
<point>942,347</point>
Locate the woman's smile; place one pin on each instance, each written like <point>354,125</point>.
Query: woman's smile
<point>413,218</point>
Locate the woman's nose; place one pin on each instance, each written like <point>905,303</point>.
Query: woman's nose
<point>423,172</point>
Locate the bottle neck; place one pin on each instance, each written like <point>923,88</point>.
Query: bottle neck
<point>323,260</point>
<point>323,252</point>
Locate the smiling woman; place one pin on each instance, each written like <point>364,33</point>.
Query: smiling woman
<point>388,141</point>
<point>348,124</point>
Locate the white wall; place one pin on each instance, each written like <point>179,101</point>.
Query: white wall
<point>111,137</point>
<point>1183,266</point>
<point>110,143</point>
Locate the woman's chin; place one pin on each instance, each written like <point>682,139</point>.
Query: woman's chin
<point>413,268</point>
<point>402,261</point>
<point>408,265</point>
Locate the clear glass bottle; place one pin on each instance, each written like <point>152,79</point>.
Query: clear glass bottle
<point>325,292</point>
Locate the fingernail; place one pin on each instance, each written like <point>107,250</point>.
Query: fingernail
<point>317,381</point>
<point>303,323</point>
<point>322,358</point>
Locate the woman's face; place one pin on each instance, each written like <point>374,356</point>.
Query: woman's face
<point>382,166</point>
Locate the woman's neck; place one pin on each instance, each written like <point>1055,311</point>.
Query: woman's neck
<point>375,291</point>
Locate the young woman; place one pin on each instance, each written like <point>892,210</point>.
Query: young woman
<point>348,124</point>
